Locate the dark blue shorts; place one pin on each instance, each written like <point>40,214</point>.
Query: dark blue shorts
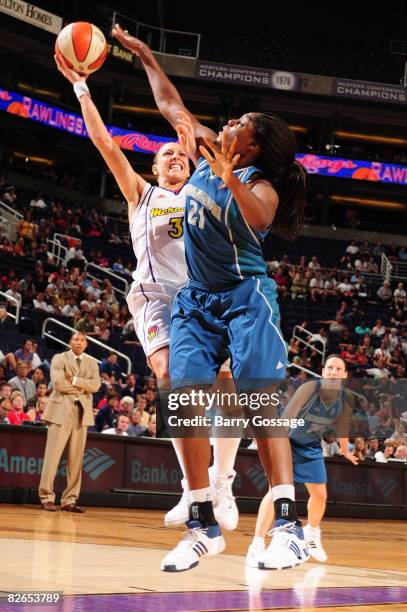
<point>308,463</point>
<point>241,322</point>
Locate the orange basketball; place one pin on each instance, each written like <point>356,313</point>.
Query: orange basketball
<point>83,46</point>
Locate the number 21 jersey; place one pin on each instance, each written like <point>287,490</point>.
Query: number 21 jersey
<point>221,248</point>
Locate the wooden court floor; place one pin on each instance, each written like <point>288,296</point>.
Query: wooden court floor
<point>108,559</point>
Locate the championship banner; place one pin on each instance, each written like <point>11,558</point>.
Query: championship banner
<point>29,13</point>
<point>30,108</point>
<point>244,75</point>
<point>372,92</point>
<point>354,169</point>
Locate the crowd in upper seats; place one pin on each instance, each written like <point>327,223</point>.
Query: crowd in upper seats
<point>369,348</point>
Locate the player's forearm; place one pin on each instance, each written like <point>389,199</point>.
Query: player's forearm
<point>252,208</point>
<point>95,127</point>
<point>89,385</point>
<point>344,445</point>
<point>166,95</point>
<point>63,386</point>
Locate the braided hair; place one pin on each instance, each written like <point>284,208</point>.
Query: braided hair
<point>278,165</point>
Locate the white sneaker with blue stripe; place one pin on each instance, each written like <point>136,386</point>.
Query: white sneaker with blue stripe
<point>197,542</point>
<point>180,513</point>
<point>287,548</point>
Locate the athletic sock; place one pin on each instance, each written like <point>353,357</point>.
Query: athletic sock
<point>258,541</point>
<point>224,455</point>
<point>284,504</point>
<point>313,531</point>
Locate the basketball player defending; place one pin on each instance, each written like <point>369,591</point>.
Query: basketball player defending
<point>156,224</point>
<point>243,183</point>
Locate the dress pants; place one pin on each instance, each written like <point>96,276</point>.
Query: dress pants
<point>71,432</point>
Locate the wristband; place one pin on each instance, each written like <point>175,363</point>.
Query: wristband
<point>80,88</point>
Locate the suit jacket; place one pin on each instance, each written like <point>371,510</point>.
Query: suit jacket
<point>64,393</point>
<point>28,389</point>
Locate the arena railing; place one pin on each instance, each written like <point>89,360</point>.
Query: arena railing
<point>6,224</point>
<point>308,342</point>
<point>161,39</point>
<point>13,300</point>
<point>124,291</point>
<point>299,367</point>
<point>58,250</point>
<point>399,270</point>
<point>14,213</point>
<point>386,268</point>
<point>108,272</point>
<point>108,349</point>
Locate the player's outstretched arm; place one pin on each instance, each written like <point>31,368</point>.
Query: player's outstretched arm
<point>166,96</point>
<point>131,184</point>
<point>342,427</point>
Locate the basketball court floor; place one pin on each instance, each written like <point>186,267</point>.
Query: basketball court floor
<point>108,559</point>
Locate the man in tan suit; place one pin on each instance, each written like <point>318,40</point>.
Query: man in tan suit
<point>75,376</point>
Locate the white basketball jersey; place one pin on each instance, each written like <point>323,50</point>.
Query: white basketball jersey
<point>157,235</point>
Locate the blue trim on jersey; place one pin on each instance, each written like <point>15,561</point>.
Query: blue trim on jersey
<point>150,265</point>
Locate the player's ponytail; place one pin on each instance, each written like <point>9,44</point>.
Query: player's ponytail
<point>278,164</point>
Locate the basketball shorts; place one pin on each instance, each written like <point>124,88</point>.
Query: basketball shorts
<point>242,321</point>
<point>308,463</point>
<point>150,307</point>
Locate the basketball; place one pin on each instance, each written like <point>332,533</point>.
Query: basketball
<point>83,46</point>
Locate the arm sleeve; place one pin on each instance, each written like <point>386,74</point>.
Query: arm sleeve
<point>59,382</point>
<point>92,384</point>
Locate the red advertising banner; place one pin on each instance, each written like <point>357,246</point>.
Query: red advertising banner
<point>22,452</point>
<point>151,465</point>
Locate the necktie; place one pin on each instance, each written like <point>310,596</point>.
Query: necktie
<point>78,361</point>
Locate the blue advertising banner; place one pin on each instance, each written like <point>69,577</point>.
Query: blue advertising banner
<point>55,117</point>
<point>354,169</point>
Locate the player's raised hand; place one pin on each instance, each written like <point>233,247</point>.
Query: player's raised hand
<point>71,75</point>
<point>132,43</point>
<point>186,133</point>
<point>223,162</point>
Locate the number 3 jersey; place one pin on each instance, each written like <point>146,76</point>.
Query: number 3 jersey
<point>221,248</point>
<point>157,235</point>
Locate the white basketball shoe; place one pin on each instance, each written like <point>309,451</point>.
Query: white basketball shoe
<point>197,542</point>
<point>224,505</point>
<point>255,552</point>
<point>312,537</point>
<point>180,513</point>
<point>287,548</point>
